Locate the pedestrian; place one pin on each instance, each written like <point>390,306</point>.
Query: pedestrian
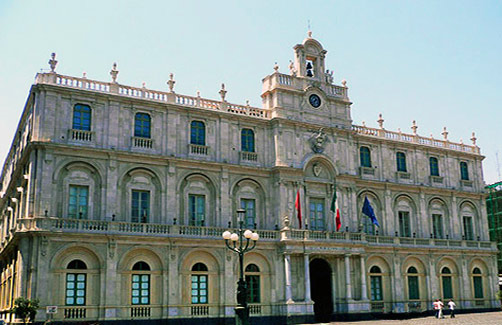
<point>452,306</point>
<point>436,308</point>
<point>441,305</point>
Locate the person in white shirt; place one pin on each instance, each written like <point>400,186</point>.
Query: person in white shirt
<point>452,306</point>
<point>441,305</point>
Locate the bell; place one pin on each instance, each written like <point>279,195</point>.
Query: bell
<point>309,73</point>
<point>309,65</point>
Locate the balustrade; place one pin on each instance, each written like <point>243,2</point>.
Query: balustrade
<point>164,230</point>
<point>75,313</point>
<point>249,156</point>
<point>139,142</point>
<point>80,135</point>
<point>140,312</point>
<point>198,150</point>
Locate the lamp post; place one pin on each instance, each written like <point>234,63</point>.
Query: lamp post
<point>240,243</point>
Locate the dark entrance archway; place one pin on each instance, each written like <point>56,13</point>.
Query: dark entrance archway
<point>321,289</point>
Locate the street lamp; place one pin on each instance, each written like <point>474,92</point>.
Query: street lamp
<point>239,243</point>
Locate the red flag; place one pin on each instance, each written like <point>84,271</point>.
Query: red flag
<point>298,208</point>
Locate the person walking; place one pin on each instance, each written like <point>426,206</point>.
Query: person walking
<point>441,305</point>
<point>452,306</point>
<point>436,308</point>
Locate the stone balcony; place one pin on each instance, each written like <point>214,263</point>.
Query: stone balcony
<point>290,236</point>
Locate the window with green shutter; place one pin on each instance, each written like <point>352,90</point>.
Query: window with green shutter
<point>447,283</point>
<point>365,157</point>
<point>253,283</point>
<point>404,224</point>
<point>413,286</point>
<point>401,161</point>
<point>478,283</point>
<point>468,231</point>
<point>437,225</point>
<point>376,283</point>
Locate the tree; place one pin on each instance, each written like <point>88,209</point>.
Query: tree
<point>25,309</point>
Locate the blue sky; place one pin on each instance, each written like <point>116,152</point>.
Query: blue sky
<point>436,62</point>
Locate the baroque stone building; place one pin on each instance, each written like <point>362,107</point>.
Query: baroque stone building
<point>114,198</point>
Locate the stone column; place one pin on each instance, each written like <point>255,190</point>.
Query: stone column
<point>348,286</point>
<point>364,290</point>
<point>287,274</point>
<point>307,277</point>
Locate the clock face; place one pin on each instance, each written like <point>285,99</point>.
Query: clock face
<point>315,100</point>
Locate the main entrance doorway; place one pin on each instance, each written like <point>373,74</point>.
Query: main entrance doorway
<point>321,290</point>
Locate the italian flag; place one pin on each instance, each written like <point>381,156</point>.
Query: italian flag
<point>336,210</point>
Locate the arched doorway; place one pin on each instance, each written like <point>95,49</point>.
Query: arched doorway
<point>321,291</point>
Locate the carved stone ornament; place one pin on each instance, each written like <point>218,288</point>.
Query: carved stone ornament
<point>317,169</point>
<point>318,141</point>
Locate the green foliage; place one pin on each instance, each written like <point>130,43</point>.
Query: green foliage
<point>499,295</point>
<point>25,309</point>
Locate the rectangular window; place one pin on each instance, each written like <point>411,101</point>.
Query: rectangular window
<point>478,287</point>
<point>404,224</point>
<point>140,290</point>
<point>464,171</point>
<point>434,166</point>
<point>413,292</point>
<point>197,209</point>
<point>81,117</point>
<point>75,289</point>
<point>376,288</point>
<point>78,202</point>
<point>447,289</point>
<point>249,206</point>
<point>468,232</point>
<point>140,206</point>
<point>199,289</point>
<point>253,283</point>
<point>316,210</point>
<point>437,226</point>
<point>401,162</point>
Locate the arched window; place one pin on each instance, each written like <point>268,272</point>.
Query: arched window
<point>253,283</point>
<point>198,133</point>
<point>199,284</point>
<point>446,281</point>
<point>434,166</point>
<point>76,284</point>
<point>81,117</point>
<point>365,157</point>
<point>140,284</point>
<point>376,283</point>
<point>478,283</point>
<point>401,161</point>
<point>247,140</point>
<point>142,125</point>
<point>464,171</point>
<point>413,287</point>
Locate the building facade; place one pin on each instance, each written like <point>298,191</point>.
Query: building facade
<point>114,199</point>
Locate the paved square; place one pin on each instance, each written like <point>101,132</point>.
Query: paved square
<point>492,318</point>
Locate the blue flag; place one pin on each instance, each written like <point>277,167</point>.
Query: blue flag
<point>368,210</point>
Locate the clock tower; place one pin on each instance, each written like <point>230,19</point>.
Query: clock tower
<point>307,93</point>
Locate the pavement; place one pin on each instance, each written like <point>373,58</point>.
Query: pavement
<point>491,318</point>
